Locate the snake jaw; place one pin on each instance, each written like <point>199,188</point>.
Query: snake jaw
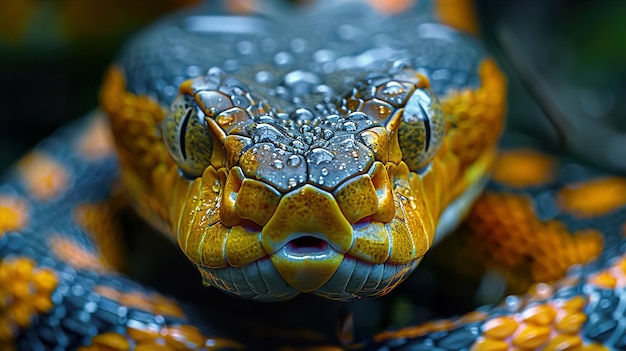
<point>309,244</point>
<point>303,253</point>
<point>306,269</point>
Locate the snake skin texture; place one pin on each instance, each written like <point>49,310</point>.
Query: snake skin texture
<point>557,223</point>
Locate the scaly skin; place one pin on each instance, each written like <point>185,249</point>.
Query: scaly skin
<point>367,183</point>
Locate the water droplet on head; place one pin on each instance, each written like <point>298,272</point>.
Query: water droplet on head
<point>215,72</point>
<point>324,55</point>
<point>349,126</point>
<point>512,303</point>
<point>193,71</point>
<point>357,116</point>
<point>297,45</point>
<point>401,64</point>
<point>324,171</point>
<point>298,144</point>
<point>322,89</point>
<point>238,91</point>
<point>240,101</point>
<point>283,58</point>
<point>393,89</point>
<point>263,77</point>
<point>292,182</point>
<point>244,47</point>
<point>278,164</point>
<point>170,90</point>
<point>319,155</point>
<point>349,144</point>
<point>302,114</point>
<point>300,76</point>
<point>231,65</point>
<point>294,161</point>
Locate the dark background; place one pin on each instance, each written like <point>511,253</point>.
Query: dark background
<point>53,54</point>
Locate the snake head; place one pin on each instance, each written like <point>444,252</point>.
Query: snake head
<point>329,200</point>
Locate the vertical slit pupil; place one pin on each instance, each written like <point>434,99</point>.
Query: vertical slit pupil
<point>183,134</point>
<point>426,126</point>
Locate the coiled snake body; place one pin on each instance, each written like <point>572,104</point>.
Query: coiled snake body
<point>319,152</point>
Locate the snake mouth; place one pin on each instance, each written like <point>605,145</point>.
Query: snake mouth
<point>358,240</point>
<point>308,262</point>
<point>306,247</point>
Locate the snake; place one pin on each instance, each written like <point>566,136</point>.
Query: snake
<point>303,157</point>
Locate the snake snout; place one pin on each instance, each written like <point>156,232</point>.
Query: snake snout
<point>304,216</point>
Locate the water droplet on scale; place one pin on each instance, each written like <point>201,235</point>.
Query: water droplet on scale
<point>292,182</point>
<point>278,164</point>
<point>349,126</point>
<point>293,161</point>
<point>393,89</point>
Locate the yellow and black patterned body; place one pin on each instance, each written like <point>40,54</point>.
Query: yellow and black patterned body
<point>303,152</point>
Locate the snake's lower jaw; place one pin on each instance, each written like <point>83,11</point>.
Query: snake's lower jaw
<point>337,276</point>
<point>334,276</point>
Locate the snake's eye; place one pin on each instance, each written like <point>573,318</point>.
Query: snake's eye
<point>422,129</point>
<point>187,137</point>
